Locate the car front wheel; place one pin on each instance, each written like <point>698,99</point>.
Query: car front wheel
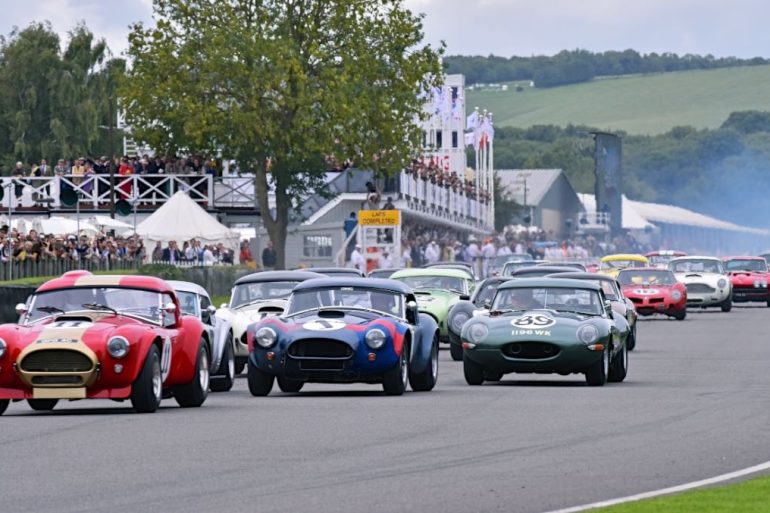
<point>474,373</point>
<point>4,405</point>
<point>727,305</point>
<point>596,375</point>
<point>619,366</point>
<point>225,377</point>
<point>42,404</point>
<point>289,385</point>
<point>194,393</point>
<point>147,390</point>
<point>426,380</point>
<point>456,351</point>
<point>396,379</point>
<point>260,383</point>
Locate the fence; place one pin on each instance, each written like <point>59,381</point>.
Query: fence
<point>147,191</point>
<point>43,268</point>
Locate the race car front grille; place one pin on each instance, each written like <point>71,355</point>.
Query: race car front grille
<point>637,300</point>
<point>531,350</point>
<point>656,300</point>
<point>320,348</point>
<point>699,288</point>
<point>57,380</point>
<point>56,360</point>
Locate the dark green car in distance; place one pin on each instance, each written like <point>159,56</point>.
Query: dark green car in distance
<point>544,326</point>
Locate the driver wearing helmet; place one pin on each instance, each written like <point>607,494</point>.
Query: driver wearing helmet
<point>383,302</point>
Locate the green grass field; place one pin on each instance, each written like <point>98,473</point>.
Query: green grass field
<point>639,104</point>
<point>747,497</point>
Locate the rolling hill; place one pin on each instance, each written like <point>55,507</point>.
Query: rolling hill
<point>638,104</point>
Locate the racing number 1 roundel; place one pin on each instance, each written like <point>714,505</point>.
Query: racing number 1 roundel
<point>165,360</point>
<point>324,325</point>
<point>533,322</point>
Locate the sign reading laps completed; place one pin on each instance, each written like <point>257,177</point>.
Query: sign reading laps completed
<point>379,217</point>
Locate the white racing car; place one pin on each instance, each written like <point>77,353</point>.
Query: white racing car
<point>706,281</point>
<point>194,300</point>
<point>254,297</point>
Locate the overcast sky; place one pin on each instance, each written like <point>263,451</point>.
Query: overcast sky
<point>501,27</point>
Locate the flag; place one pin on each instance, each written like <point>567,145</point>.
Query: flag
<point>487,128</point>
<point>470,139</point>
<point>472,121</point>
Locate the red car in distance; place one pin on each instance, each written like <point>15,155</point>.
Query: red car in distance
<point>661,258</point>
<point>654,291</point>
<point>749,276</point>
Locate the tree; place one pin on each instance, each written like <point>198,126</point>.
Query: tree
<point>52,103</point>
<point>505,206</point>
<point>281,86</point>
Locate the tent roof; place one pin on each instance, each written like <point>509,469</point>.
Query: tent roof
<point>631,218</point>
<point>539,181</point>
<point>180,219</point>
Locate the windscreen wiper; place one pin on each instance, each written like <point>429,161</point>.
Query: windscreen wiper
<point>99,306</point>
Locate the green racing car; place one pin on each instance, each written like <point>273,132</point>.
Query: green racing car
<point>437,290</point>
<point>545,325</point>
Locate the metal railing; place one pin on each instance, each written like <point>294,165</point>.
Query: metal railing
<point>13,270</point>
<point>146,190</point>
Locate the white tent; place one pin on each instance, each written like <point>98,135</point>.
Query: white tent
<point>181,219</point>
<point>107,223</point>
<point>57,225</point>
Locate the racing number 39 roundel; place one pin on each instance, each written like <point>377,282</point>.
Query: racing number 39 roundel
<point>533,322</point>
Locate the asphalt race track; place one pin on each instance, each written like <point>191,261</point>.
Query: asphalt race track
<point>696,404</point>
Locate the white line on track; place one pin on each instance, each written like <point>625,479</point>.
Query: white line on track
<point>667,491</point>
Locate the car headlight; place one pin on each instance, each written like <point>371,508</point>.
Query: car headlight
<point>375,338</point>
<point>458,320</point>
<point>588,334</point>
<point>3,347</point>
<point>676,295</point>
<point>117,347</point>
<point>266,337</point>
<point>477,332</point>
<point>722,283</point>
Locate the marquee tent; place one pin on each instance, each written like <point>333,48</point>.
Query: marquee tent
<point>181,219</point>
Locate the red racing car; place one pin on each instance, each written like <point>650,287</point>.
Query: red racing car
<point>654,291</point>
<point>749,276</point>
<point>103,337</point>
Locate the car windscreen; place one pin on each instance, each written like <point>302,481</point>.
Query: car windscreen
<point>738,264</point>
<point>621,264</point>
<point>245,293</point>
<point>189,303</point>
<point>660,260</point>
<point>141,303</point>
<point>629,277</point>
<point>428,282</point>
<point>509,267</point>
<point>608,287</point>
<point>486,293</point>
<point>585,301</point>
<point>380,300</point>
<point>696,265</point>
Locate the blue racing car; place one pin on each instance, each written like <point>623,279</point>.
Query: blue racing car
<point>345,330</point>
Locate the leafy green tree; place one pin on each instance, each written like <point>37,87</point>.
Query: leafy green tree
<point>280,85</point>
<point>53,104</point>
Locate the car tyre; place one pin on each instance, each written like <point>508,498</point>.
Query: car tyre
<point>474,373</point>
<point>225,377</point>
<point>240,363</point>
<point>4,405</point>
<point>426,380</point>
<point>619,366</point>
<point>260,382</point>
<point>395,380</point>
<point>631,341</point>
<point>680,316</point>
<point>493,376</point>
<point>727,305</point>
<point>147,390</point>
<point>42,404</point>
<point>289,385</point>
<point>596,375</point>
<point>194,393</point>
<point>456,351</point>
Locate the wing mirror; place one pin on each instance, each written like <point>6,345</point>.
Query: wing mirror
<point>411,312</point>
<point>21,309</point>
<point>211,309</point>
<point>464,297</point>
<point>169,308</point>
